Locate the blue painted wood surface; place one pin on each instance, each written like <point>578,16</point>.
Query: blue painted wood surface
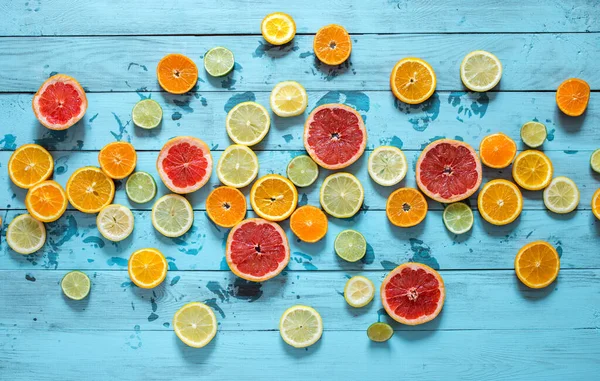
<point>492,327</point>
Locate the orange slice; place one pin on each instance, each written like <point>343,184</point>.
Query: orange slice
<point>406,207</point>
<point>532,170</point>
<point>117,159</point>
<point>412,80</point>
<point>500,202</point>
<point>46,201</point>
<point>596,204</point>
<point>89,189</point>
<point>226,206</point>
<point>497,150</point>
<point>147,268</point>
<point>30,164</point>
<point>177,74</point>
<point>572,96</point>
<point>309,223</point>
<point>332,44</point>
<point>537,264</point>
<point>278,28</point>
<point>273,197</point>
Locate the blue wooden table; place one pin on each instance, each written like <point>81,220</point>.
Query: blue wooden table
<point>491,328</point>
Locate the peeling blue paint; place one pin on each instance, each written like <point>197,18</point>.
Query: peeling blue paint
<point>143,67</point>
<point>369,255</point>
<point>96,242</point>
<point>424,113</point>
<point>117,261</point>
<point>388,265</point>
<point>176,115</point>
<point>122,129</point>
<point>422,254</point>
<point>356,99</point>
<point>175,280</point>
<point>239,98</point>
<point>288,138</point>
<point>9,142</point>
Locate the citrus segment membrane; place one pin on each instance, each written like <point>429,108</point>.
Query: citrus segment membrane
<point>332,44</point>
<point>184,164</point>
<point>60,102</point>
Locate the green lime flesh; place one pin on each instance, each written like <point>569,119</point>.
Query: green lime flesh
<point>595,160</point>
<point>76,285</point>
<point>302,171</point>
<point>140,187</point>
<point>533,134</point>
<point>380,332</point>
<point>147,114</point>
<point>219,61</point>
<point>458,218</point>
<point>350,245</point>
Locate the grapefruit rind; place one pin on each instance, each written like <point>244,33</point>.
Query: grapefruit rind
<point>50,81</point>
<point>164,152</point>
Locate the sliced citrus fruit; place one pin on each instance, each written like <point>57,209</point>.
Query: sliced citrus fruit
<point>238,166</point>
<point>89,189</point>
<point>595,161</point>
<point>302,171</point>
<point>413,293</point>
<point>195,324</point>
<point>76,285</point>
<point>273,197</point>
<point>350,245</point>
<point>140,187</point>
<point>60,102</point>
<point>30,164</point>
<point>406,207</point>
<point>596,204</point>
<point>247,123</point>
<point>184,164</point>
<point>172,215</point>
<point>532,170</point>
<point>497,150</point>
<point>25,234</point>
<point>480,71</point>
<point>147,114</point>
<point>332,44</point>
<point>533,134</point>
<point>412,80</point>
<point>341,195</point>
<point>458,218</point>
<point>219,61</point>
<point>288,99</point>
<point>147,268</point>
<point>46,201</point>
<point>117,159</point>
<point>309,223</point>
<point>300,326</point>
<point>387,165</point>
<point>572,96</point>
<point>359,291</point>
<point>115,222</point>
<point>226,206</point>
<point>380,332</point>
<point>537,264</point>
<point>177,74</point>
<point>278,28</point>
<point>500,202</point>
<point>561,195</point>
<point>257,250</point>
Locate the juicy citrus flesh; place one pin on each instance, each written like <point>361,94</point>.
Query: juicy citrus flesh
<point>89,189</point>
<point>497,150</point>
<point>172,215</point>
<point>177,74</point>
<point>500,202</point>
<point>309,223</point>
<point>412,80</point>
<point>147,114</point>
<point>184,164</point>
<point>532,170</point>
<point>117,159</point>
<point>572,96</point>
<point>140,187</point>
<point>533,134</point>
<point>380,332</point>
<point>480,71</point>
<point>350,245</point>
<point>537,264</point>
<point>302,171</point>
<point>595,161</point>
<point>219,61</point>
<point>30,164</point>
<point>147,268</point>
<point>596,204</point>
<point>60,102</point>
<point>332,44</point>
<point>288,99</point>
<point>247,123</point>
<point>406,207</point>
<point>115,222</point>
<point>359,291</point>
<point>226,206</point>
<point>387,165</point>
<point>301,326</point>
<point>25,234</point>
<point>76,285</point>
<point>341,195</point>
<point>278,28</point>
<point>458,218</point>
<point>46,201</point>
<point>561,195</point>
<point>195,324</point>
<point>273,197</point>
<point>238,166</point>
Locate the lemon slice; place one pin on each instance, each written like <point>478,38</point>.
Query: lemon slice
<point>218,61</point>
<point>341,195</point>
<point>301,326</point>
<point>533,134</point>
<point>25,234</point>
<point>247,123</point>
<point>380,332</point>
<point>480,71</point>
<point>562,195</point>
<point>302,171</point>
<point>288,99</point>
<point>115,222</point>
<point>278,28</point>
<point>195,324</point>
<point>359,291</point>
<point>172,215</point>
<point>387,165</point>
<point>76,285</point>
<point>595,161</point>
<point>238,166</point>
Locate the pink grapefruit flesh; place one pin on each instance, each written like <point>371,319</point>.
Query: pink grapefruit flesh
<point>184,164</point>
<point>448,171</point>
<point>335,136</point>
<point>60,102</point>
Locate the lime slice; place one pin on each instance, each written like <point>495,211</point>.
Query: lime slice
<point>247,123</point>
<point>480,71</point>
<point>387,165</point>
<point>458,218</point>
<point>172,215</point>
<point>533,134</point>
<point>562,195</point>
<point>350,245</point>
<point>594,161</point>
<point>147,114</point>
<point>218,61</point>
<point>140,187</point>
<point>342,195</point>
<point>76,285</point>
<point>302,171</point>
<point>195,324</point>
<point>238,166</point>
<point>380,332</point>
<point>25,234</point>
<point>301,326</point>
<point>359,291</point>
<point>288,99</point>
<point>115,222</point>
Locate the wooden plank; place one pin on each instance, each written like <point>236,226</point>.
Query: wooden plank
<point>445,355</point>
<point>129,63</point>
<point>461,115</point>
<point>230,16</point>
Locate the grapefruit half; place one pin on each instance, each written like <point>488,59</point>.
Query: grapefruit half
<point>60,102</point>
<point>448,171</point>
<point>257,250</point>
<point>413,293</point>
<point>335,136</point>
<point>184,164</point>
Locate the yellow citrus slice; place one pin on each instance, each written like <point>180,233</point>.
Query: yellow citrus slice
<point>288,99</point>
<point>89,189</point>
<point>25,234</point>
<point>30,164</point>
<point>537,264</point>
<point>46,201</point>
<point>147,268</point>
<point>500,202</point>
<point>278,28</point>
<point>195,324</point>
<point>596,204</point>
<point>273,197</point>
<point>412,80</point>
<point>532,170</point>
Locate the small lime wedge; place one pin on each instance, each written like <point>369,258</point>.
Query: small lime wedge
<point>76,285</point>
<point>595,161</point>
<point>302,171</point>
<point>533,134</point>
<point>350,245</point>
<point>380,332</point>
<point>219,61</point>
<point>140,187</point>
<point>147,114</point>
<point>458,218</point>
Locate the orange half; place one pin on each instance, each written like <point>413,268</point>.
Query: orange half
<point>273,197</point>
<point>537,264</point>
<point>572,96</point>
<point>177,74</point>
<point>596,204</point>
<point>117,159</point>
<point>226,206</point>
<point>532,170</point>
<point>497,150</point>
<point>500,202</point>
<point>30,164</point>
<point>309,223</point>
<point>46,201</point>
<point>406,207</point>
<point>412,80</point>
<point>147,268</point>
<point>89,189</point>
<point>332,44</point>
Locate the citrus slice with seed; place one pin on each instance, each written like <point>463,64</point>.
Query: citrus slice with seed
<point>412,80</point>
<point>458,218</point>
<point>300,326</point>
<point>76,285</point>
<point>562,195</point>
<point>497,150</point>
<point>226,206</point>
<point>595,161</point>
<point>572,96</point>
<point>309,223</point>
<point>46,201</point>
<point>273,197</point>
<point>533,134</point>
<point>480,71</point>
<point>406,207</point>
<point>60,102</point>
<point>537,264</point>
<point>288,99</point>
<point>177,74</point>
<point>30,164</point>
<point>278,28</point>
<point>247,123</point>
<point>238,166</point>
<point>89,189</point>
<point>147,114</point>
<point>332,44</point>
<point>380,332</point>
<point>500,202</point>
<point>350,245</point>
<point>342,195</point>
<point>117,159</point>
<point>387,165</point>
<point>115,222</point>
<point>596,204</point>
<point>172,215</point>
<point>359,291</point>
<point>195,324</point>
<point>532,170</point>
<point>25,234</point>
<point>219,61</point>
<point>184,164</point>
<point>140,187</point>
<point>147,268</point>
<point>302,171</point>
